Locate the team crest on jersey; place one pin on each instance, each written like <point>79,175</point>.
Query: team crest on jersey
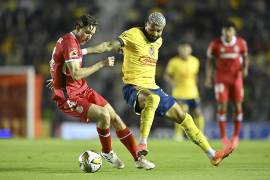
<point>222,50</point>
<point>152,51</point>
<point>73,53</point>
<point>236,48</point>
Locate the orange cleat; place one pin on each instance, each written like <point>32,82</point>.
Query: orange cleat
<point>220,155</point>
<point>142,150</point>
<point>235,142</point>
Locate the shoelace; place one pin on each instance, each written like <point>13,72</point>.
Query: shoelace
<point>108,157</point>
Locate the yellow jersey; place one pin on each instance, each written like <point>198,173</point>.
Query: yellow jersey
<point>140,58</point>
<point>184,74</point>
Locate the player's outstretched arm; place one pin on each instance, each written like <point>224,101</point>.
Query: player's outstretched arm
<point>209,72</point>
<point>245,64</point>
<point>78,73</point>
<point>102,47</point>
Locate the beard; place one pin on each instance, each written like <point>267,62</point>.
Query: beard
<point>149,37</point>
<point>153,38</point>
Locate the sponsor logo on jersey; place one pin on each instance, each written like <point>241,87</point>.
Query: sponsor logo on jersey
<point>146,60</point>
<point>73,53</point>
<point>229,55</point>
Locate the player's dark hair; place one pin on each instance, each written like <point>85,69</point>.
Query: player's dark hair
<point>228,24</point>
<point>86,20</point>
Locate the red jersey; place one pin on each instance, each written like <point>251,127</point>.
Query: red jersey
<point>228,58</point>
<point>67,49</point>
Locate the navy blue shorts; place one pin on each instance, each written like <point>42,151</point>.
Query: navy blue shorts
<point>191,103</point>
<point>166,101</point>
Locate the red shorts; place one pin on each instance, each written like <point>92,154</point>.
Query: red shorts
<point>225,91</point>
<point>78,106</point>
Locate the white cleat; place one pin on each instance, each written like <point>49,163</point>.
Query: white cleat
<point>144,163</point>
<point>113,159</point>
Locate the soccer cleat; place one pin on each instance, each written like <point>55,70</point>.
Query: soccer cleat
<point>144,163</point>
<point>226,143</point>
<point>142,150</point>
<point>220,155</point>
<point>235,142</point>
<point>113,159</point>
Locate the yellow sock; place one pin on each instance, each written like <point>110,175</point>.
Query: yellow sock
<point>195,134</point>
<point>199,121</point>
<point>178,130</point>
<point>147,114</point>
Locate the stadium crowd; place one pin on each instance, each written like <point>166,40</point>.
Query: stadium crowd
<point>29,29</point>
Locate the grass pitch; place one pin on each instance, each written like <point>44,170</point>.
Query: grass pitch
<point>57,159</point>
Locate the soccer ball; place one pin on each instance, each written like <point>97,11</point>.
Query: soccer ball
<point>90,161</point>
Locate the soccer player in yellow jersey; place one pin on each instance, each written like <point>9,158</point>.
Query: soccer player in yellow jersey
<point>140,47</point>
<point>181,73</point>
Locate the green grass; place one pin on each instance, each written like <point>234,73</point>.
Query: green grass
<point>57,159</point>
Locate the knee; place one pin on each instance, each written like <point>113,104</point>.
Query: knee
<point>115,118</point>
<point>238,107</point>
<point>179,114</point>
<point>222,107</point>
<point>104,117</point>
<point>197,114</point>
<point>152,100</point>
<point>117,123</point>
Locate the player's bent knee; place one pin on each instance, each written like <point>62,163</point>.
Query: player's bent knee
<point>117,123</point>
<point>177,114</point>
<point>104,117</point>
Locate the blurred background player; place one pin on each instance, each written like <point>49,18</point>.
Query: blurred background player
<point>181,73</point>
<point>140,46</point>
<point>228,56</point>
<point>74,97</point>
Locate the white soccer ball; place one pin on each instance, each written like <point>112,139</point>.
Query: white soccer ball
<point>90,161</point>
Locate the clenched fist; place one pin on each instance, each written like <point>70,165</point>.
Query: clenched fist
<point>109,61</point>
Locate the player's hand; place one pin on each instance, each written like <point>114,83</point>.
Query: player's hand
<point>109,61</point>
<point>49,84</point>
<point>208,83</point>
<point>245,72</point>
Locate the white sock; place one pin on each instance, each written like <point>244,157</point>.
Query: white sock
<point>143,141</point>
<point>210,153</point>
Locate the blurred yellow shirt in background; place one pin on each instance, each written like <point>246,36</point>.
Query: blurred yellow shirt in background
<point>184,74</point>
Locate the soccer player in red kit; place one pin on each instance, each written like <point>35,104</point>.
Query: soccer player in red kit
<point>74,97</point>
<point>229,56</point>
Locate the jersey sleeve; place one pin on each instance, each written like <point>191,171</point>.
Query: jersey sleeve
<point>211,50</point>
<point>71,50</point>
<point>125,37</point>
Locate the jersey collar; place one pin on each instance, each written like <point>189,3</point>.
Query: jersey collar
<point>73,34</point>
<point>233,41</point>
